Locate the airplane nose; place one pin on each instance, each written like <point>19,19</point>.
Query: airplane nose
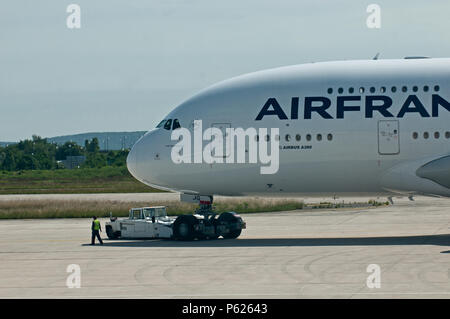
<point>143,160</point>
<point>132,161</point>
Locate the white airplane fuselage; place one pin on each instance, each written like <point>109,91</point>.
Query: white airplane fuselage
<point>345,128</point>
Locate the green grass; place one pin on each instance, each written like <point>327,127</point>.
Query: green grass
<point>107,179</point>
<point>35,208</point>
<point>114,180</point>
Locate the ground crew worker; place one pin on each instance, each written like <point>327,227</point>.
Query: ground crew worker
<point>96,227</point>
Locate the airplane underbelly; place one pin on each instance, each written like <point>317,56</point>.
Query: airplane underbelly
<point>304,177</point>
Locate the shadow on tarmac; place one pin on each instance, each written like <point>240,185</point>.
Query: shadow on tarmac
<point>438,240</point>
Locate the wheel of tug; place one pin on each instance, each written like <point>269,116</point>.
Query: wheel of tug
<point>183,227</point>
<point>110,233</point>
<point>229,218</point>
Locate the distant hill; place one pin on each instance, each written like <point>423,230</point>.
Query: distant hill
<point>3,144</point>
<point>107,140</point>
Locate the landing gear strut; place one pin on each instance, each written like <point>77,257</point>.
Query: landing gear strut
<point>204,223</point>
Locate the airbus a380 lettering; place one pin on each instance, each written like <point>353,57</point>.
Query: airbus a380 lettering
<point>376,127</point>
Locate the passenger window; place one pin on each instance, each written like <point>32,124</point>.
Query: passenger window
<point>329,137</point>
<point>415,135</point>
<point>298,137</point>
<point>308,137</point>
<point>168,125</point>
<point>287,137</point>
<point>176,124</point>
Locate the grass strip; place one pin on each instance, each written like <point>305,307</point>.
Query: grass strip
<point>35,208</point>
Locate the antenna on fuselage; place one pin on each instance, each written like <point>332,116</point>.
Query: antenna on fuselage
<point>376,56</point>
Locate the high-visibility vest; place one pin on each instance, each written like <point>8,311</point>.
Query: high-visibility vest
<point>96,224</point>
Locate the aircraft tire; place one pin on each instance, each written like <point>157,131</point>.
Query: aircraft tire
<point>183,227</point>
<point>231,219</point>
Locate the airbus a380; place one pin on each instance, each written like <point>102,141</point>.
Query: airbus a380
<point>345,128</point>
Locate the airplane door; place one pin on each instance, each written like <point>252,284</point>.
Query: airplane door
<point>388,137</point>
<point>226,138</point>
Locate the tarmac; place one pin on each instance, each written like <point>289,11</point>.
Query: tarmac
<point>395,251</point>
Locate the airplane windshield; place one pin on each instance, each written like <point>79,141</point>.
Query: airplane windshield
<point>176,124</point>
<point>168,125</point>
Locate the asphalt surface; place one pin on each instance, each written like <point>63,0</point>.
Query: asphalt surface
<point>301,254</point>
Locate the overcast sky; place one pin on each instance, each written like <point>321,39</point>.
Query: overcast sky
<point>133,61</point>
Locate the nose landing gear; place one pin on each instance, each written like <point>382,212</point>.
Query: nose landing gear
<point>205,223</point>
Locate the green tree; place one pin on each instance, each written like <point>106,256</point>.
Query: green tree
<point>9,163</point>
<point>27,161</point>
<point>92,146</point>
<point>36,153</point>
<point>95,160</point>
<point>68,149</point>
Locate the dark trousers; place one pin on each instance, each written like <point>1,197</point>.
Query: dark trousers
<point>96,233</point>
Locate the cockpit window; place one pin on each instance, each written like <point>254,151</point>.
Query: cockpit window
<point>176,124</point>
<point>168,125</point>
